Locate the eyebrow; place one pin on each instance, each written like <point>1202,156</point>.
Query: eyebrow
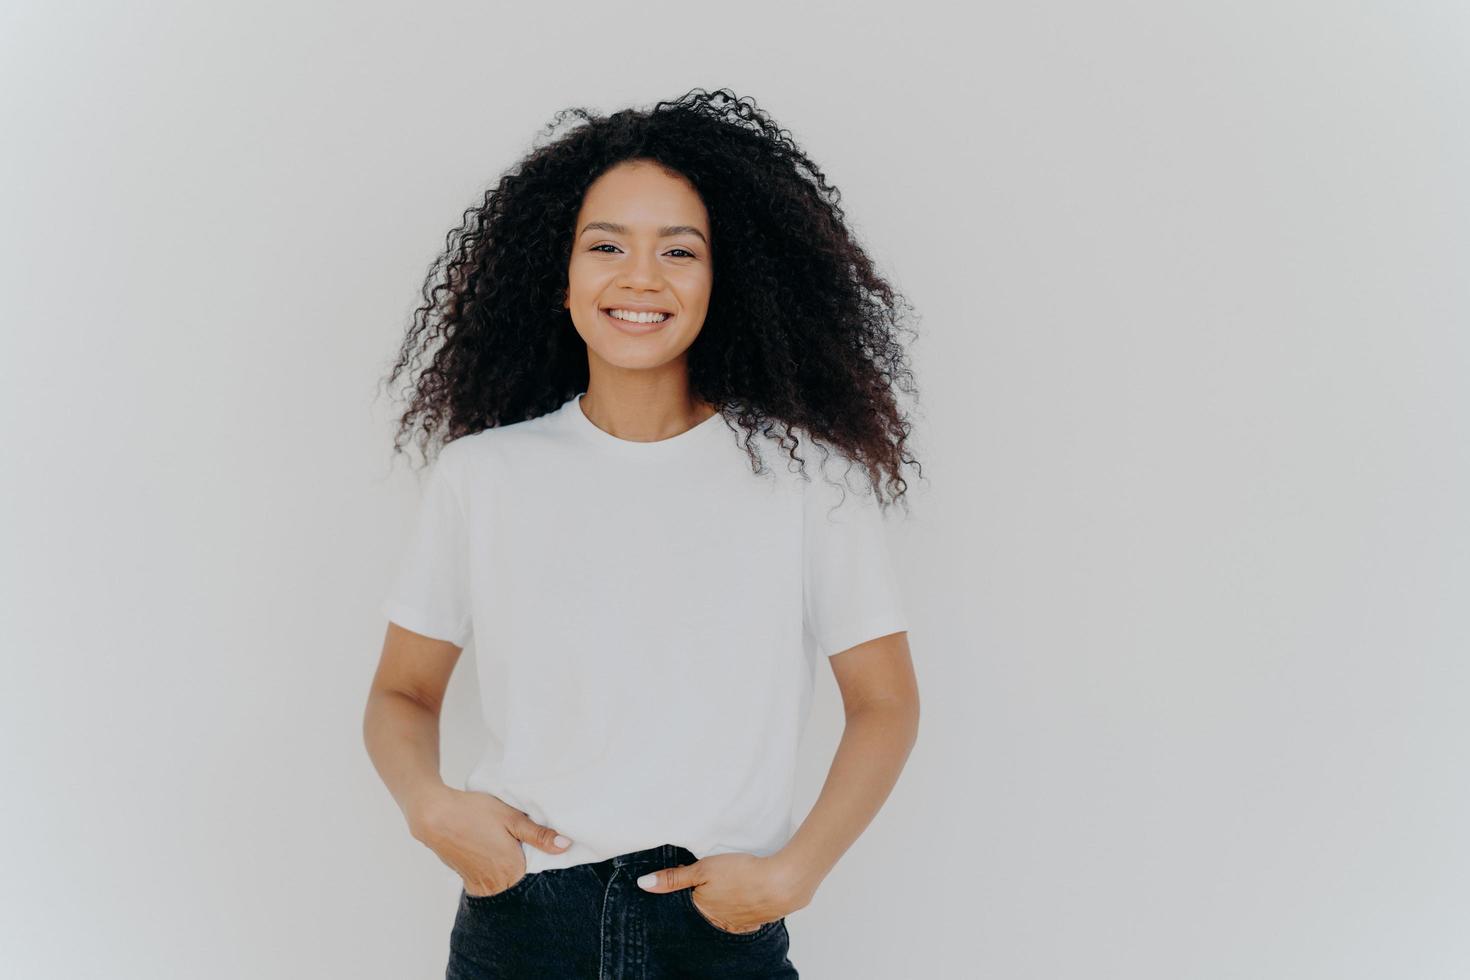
<point>663,232</point>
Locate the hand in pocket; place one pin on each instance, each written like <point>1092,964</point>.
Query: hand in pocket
<point>734,892</point>
<point>479,837</point>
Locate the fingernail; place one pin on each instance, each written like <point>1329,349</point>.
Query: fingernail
<point>648,881</point>
<point>561,841</point>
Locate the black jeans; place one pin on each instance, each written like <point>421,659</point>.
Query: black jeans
<point>593,921</point>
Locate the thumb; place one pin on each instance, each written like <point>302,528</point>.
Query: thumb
<point>672,879</point>
<point>539,837</point>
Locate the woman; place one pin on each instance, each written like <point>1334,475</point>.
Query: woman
<point>647,594</point>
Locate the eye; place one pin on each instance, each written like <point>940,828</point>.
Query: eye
<point>687,254</point>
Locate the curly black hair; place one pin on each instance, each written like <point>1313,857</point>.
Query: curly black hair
<point>800,329</point>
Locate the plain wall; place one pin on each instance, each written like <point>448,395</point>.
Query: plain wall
<point>1187,566</point>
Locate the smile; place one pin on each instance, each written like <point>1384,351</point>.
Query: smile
<point>636,327</point>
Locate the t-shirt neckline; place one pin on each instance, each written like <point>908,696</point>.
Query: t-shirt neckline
<point>629,447</point>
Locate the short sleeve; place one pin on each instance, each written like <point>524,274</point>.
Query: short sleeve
<point>850,589</point>
<point>429,593</point>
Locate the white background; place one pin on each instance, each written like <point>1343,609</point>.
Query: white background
<point>1187,567</point>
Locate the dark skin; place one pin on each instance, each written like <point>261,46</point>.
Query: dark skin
<point>639,390</point>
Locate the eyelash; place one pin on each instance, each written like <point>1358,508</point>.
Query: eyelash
<point>687,254</point>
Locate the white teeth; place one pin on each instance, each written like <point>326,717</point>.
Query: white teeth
<point>638,317</point>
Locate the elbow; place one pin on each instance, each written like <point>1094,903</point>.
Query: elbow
<point>898,711</point>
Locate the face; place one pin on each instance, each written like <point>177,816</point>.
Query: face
<point>642,243</point>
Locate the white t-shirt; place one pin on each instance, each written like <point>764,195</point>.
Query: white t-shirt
<point>646,618</point>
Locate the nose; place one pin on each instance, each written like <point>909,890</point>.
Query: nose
<point>641,271</point>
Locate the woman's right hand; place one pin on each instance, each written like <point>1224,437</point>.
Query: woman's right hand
<point>479,837</point>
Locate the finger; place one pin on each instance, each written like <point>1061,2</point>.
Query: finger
<point>539,837</point>
<point>671,879</point>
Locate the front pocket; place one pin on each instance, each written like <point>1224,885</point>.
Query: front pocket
<point>764,929</point>
<point>514,887</point>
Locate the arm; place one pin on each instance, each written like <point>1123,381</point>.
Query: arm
<point>400,724</point>
<point>881,700</point>
<point>476,834</point>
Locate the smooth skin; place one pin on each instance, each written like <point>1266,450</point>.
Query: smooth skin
<point>638,389</point>
<point>638,385</point>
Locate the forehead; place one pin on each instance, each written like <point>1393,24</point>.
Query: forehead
<point>643,194</point>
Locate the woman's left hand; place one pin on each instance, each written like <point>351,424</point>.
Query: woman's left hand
<point>737,892</point>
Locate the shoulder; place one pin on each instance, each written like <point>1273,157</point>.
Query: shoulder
<point>485,452</point>
<point>831,481</point>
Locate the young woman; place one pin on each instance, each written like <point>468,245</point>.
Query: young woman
<point>647,584</point>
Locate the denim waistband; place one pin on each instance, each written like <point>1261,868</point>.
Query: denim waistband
<point>663,855</point>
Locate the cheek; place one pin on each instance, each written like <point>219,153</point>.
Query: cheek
<point>694,288</point>
<point>584,279</point>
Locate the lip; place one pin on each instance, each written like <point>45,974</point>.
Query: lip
<point>637,329</point>
<point>640,308</point>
